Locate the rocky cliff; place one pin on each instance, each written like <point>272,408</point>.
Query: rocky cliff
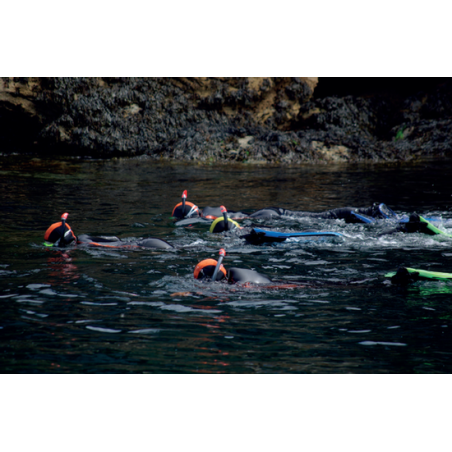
<point>246,119</point>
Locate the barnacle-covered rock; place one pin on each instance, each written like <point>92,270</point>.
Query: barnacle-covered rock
<point>241,119</point>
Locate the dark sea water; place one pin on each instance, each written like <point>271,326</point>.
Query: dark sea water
<point>90,310</point>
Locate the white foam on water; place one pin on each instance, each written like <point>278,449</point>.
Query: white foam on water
<point>102,330</point>
<point>398,344</point>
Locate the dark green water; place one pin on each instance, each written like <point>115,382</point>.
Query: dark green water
<point>87,310</point>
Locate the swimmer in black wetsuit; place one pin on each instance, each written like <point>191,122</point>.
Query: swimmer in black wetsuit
<point>61,235</point>
<point>210,269</point>
<point>378,211</point>
<point>215,271</point>
<point>186,209</point>
<point>346,213</point>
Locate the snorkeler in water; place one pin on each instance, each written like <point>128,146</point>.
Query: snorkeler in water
<point>61,235</point>
<point>212,270</point>
<point>187,210</point>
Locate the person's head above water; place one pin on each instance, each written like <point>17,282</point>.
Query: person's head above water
<point>59,234</point>
<point>223,223</point>
<point>185,209</point>
<point>210,268</point>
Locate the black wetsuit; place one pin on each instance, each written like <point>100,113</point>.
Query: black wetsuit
<point>243,275</point>
<point>115,242</point>
<point>345,213</point>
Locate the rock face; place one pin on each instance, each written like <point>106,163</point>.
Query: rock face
<point>246,119</point>
<point>20,123</point>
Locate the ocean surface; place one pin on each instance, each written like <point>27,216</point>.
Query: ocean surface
<point>119,310</point>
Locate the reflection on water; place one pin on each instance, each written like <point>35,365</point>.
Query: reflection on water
<point>61,269</point>
<point>94,310</point>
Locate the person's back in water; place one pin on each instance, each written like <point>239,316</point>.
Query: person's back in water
<point>61,235</point>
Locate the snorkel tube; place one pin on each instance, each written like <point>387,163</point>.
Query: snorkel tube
<point>225,217</point>
<point>222,253</point>
<point>63,224</point>
<point>184,197</point>
<point>62,240</point>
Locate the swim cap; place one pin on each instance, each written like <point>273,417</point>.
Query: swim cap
<point>59,235</point>
<point>206,268</point>
<point>191,210</point>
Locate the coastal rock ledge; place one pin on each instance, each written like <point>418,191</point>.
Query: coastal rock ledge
<point>285,120</point>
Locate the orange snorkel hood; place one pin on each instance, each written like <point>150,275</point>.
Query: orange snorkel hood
<point>59,234</point>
